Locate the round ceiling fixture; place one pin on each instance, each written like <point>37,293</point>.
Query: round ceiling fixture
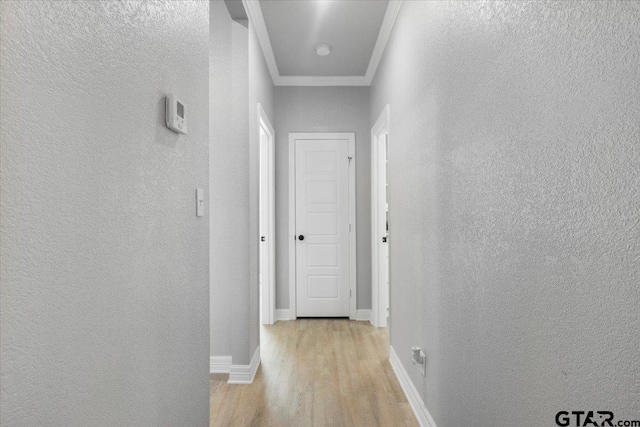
<point>323,49</point>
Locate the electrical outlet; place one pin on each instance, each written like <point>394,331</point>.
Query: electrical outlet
<point>419,358</point>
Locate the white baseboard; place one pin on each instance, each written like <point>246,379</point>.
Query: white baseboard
<point>244,374</point>
<point>421,412</point>
<point>283,314</point>
<point>364,315</point>
<point>219,364</point>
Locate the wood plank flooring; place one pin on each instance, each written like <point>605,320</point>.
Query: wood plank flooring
<point>316,372</point>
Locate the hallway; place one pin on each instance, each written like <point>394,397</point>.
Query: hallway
<point>176,174</point>
<point>316,372</point>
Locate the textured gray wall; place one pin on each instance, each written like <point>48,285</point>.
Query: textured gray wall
<point>104,263</point>
<point>515,206</point>
<point>260,91</point>
<point>228,161</point>
<point>323,109</point>
<point>235,187</point>
<point>239,80</point>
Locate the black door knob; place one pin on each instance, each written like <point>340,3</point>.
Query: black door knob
<point>301,237</point>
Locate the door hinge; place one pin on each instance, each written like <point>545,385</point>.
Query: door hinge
<point>349,228</point>
<point>350,158</point>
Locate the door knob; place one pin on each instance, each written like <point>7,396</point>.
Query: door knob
<point>301,237</point>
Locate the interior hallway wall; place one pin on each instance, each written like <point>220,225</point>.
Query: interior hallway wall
<point>323,109</point>
<point>239,80</point>
<point>515,206</point>
<point>104,289</point>
<point>229,188</point>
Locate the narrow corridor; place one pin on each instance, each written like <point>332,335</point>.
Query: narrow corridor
<point>316,372</point>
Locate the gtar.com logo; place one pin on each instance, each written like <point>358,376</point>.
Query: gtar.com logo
<point>591,418</point>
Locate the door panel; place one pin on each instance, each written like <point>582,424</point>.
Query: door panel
<point>322,217</point>
<point>322,255</point>
<point>322,223</point>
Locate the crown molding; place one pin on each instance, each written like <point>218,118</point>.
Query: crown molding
<point>389,20</point>
<point>254,13</point>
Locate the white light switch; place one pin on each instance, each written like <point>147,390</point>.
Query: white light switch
<point>199,202</point>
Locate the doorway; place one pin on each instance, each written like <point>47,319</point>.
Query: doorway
<point>322,225</point>
<point>380,220</point>
<point>267,220</point>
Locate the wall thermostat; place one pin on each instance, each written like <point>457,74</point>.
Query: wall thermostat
<point>176,113</point>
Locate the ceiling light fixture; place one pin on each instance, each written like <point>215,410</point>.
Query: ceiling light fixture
<point>323,49</point>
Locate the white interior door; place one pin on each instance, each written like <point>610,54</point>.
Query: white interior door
<point>322,227</point>
<point>267,220</point>
<point>264,226</point>
<point>380,246</point>
<point>385,231</point>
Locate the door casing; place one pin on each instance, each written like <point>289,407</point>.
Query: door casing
<point>351,139</point>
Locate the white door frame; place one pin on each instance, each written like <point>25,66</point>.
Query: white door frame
<point>268,297</point>
<point>378,312</point>
<point>351,138</point>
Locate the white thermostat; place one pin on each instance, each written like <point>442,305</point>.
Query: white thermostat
<point>176,113</point>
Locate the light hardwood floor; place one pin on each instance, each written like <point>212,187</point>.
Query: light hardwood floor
<point>316,372</point>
